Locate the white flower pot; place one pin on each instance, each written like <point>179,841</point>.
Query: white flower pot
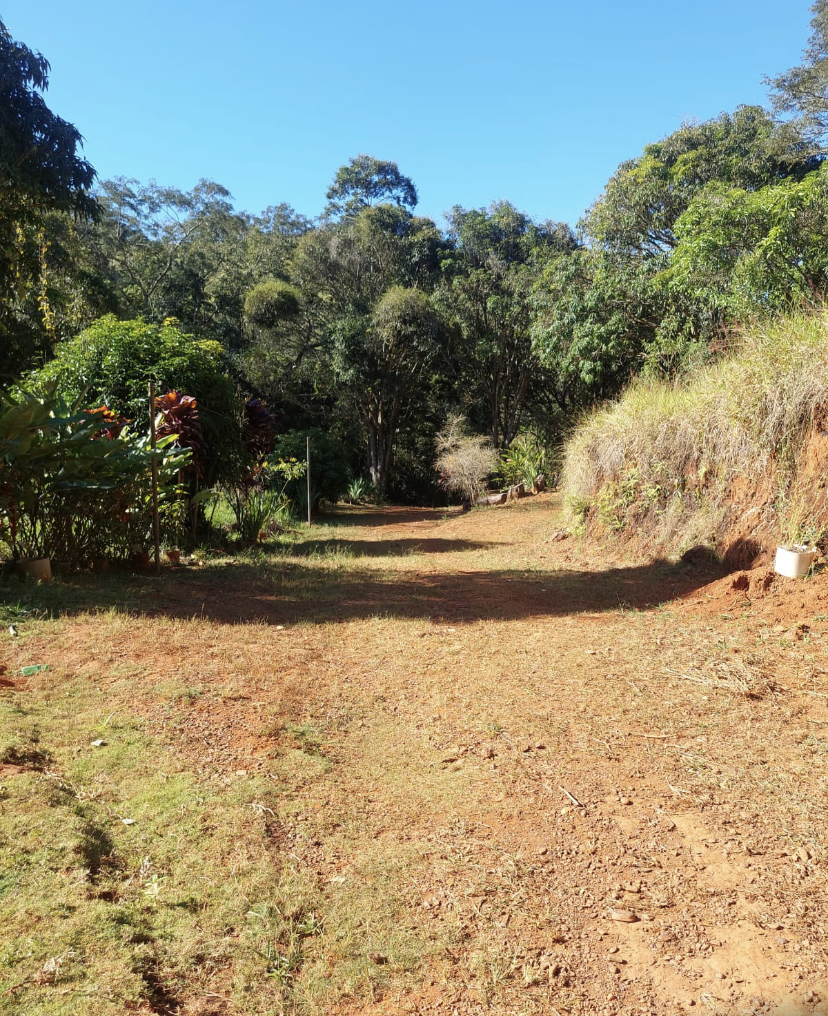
<point>794,561</point>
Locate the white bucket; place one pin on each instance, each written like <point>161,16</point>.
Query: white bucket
<point>793,562</point>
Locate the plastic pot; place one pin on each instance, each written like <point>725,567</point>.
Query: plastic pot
<point>794,561</point>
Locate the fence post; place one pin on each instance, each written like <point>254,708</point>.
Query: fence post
<point>156,525</point>
<point>309,481</point>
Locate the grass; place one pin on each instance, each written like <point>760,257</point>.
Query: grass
<point>665,457</point>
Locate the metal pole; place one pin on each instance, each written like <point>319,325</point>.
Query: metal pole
<point>309,481</point>
<point>156,525</point>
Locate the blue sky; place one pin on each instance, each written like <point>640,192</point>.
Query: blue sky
<point>535,102</point>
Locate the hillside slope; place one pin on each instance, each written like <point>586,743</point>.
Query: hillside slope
<point>733,457</point>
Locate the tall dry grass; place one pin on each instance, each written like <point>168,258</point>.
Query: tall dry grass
<point>665,456</point>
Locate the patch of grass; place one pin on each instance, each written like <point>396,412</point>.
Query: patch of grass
<point>666,455</point>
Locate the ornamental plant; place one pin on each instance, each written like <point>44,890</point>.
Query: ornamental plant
<point>67,490</point>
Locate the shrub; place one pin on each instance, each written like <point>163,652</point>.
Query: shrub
<point>523,461</point>
<point>464,461</point>
<point>75,485</point>
<point>330,475</point>
<point>261,502</point>
<point>113,361</point>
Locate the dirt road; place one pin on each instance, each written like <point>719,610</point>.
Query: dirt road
<point>522,774</point>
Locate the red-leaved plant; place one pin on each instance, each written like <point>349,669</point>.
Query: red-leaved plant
<point>259,428</point>
<point>179,415</point>
<point>111,423</point>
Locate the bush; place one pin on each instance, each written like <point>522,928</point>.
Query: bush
<point>76,485</point>
<point>523,461</point>
<point>464,461</point>
<point>330,475</point>
<point>113,361</point>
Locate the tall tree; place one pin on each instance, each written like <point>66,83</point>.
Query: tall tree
<point>367,181</point>
<point>357,317</point>
<point>41,170</point>
<point>802,92</point>
<point>643,199</point>
<point>496,257</point>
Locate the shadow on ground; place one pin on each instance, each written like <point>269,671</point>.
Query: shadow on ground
<point>388,548</point>
<point>370,517</point>
<point>289,590</point>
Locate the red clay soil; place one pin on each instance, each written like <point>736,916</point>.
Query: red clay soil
<point>611,771</point>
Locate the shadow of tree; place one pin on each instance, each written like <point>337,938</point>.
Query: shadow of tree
<point>388,548</point>
<point>292,590</point>
<point>394,515</point>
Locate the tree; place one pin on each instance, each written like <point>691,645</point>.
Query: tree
<point>387,367</point>
<point>594,316</point>
<point>497,256</point>
<point>366,181</point>
<point>644,198</point>
<point>112,361</point>
<point>41,170</point>
<point>802,92</point>
<point>753,251</point>
<point>354,333</point>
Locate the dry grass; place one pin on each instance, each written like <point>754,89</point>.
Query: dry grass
<point>344,763</point>
<point>666,455</point>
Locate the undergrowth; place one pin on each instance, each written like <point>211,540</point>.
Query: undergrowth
<point>663,460</point>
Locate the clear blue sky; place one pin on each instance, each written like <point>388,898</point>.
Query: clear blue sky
<point>536,101</point>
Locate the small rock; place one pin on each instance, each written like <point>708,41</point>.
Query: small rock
<point>377,958</point>
<point>624,916</point>
<point>543,850</point>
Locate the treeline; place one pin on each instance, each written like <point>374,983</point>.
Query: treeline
<point>375,324</point>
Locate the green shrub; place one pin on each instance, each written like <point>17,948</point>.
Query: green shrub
<point>330,475</point>
<point>75,485</point>
<point>112,362</point>
<point>523,462</point>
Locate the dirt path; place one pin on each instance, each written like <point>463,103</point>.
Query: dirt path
<point>555,779</point>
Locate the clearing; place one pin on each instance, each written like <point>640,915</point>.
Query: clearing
<point>416,762</point>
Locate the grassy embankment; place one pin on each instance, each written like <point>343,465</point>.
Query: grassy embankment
<point>733,449</point>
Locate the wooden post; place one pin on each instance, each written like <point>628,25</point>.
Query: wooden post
<point>156,525</point>
<point>309,481</point>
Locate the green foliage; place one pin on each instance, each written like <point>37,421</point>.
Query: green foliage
<point>262,502</point>
<point>366,181</point>
<point>359,491</point>
<point>270,302</point>
<point>70,489</point>
<point>750,251</point>
<point>643,200</point>
<point>41,171</point>
<point>803,91</point>
<point>524,461</point>
<point>488,277</point>
<point>330,475</point>
<point>113,361</point>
